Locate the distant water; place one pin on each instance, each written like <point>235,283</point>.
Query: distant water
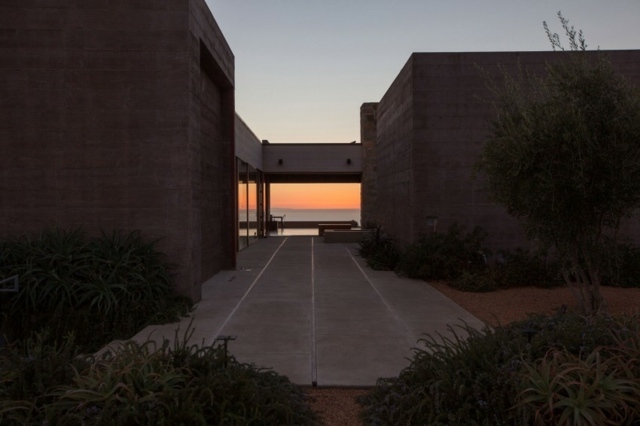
<point>317,214</point>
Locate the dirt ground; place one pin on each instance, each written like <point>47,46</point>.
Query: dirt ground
<point>505,306</point>
<point>338,407</point>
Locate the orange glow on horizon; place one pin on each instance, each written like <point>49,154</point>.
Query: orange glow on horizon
<point>316,196</point>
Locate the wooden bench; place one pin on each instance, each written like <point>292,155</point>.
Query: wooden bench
<point>324,226</point>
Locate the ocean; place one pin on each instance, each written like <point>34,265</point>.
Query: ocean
<point>317,214</point>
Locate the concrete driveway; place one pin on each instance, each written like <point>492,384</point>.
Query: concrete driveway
<point>317,314</point>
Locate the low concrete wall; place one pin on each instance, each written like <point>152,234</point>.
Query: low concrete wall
<point>323,227</point>
<point>343,235</point>
<point>295,224</point>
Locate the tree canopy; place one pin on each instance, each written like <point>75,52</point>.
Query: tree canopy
<point>563,156</point>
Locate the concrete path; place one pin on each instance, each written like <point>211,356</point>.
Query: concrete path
<point>317,314</point>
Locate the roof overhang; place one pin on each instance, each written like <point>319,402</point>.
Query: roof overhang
<point>312,162</point>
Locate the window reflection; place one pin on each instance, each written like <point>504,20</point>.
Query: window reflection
<point>250,204</point>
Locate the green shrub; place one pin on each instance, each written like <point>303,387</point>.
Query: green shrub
<point>459,381</point>
<point>516,269</point>
<point>175,384</point>
<point>479,282</point>
<point>460,259</point>
<point>444,256</point>
<point>525,268</point>
<point>97,289</point>
<point>476,380</point>
<point>29,369</point>
<point>622,266</point>
<point>380,250</point>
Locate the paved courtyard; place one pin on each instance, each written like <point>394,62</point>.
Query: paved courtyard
<point>317,314</point>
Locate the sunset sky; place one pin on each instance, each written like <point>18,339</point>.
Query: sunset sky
<point>316,196</point>
<point>304,67</point>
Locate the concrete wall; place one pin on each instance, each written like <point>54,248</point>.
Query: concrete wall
<point>451,117</point>
<point>431,126</point>
<point>211,149</point>
<point>393,154</point>
<point>248,146</point>
<point>338,162</point>
<point>368,187</point>
<point>103,124</point>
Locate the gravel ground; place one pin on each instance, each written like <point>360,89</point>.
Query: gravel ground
<point>337,406</point>
<point>505,306</point>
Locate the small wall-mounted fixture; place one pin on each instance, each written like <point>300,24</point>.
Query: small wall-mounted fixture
<point>349,161</point>
<point>280,161</point>
<point>432,224</point>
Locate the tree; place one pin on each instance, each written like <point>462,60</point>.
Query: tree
<point>563,156</point>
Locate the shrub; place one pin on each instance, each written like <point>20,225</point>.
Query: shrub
<point>475,377</point>
<point>594,383</point>
<point>463,381</point>
<point>526,268</point>
<point>481,282</point>
<point>379,249</point>
<point>95,288</point>
<point>29,369</point>
<point>563,389</point>
<point>444,256</point>
<point>622,266</point>
<point>460,259</point>
<point>167,385</point>
<point>514,269</point>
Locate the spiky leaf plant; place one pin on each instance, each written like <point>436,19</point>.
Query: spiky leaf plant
<point>166,384</point>
<point>474,377</point>
<point>97,288</point>
<point>564,389</point>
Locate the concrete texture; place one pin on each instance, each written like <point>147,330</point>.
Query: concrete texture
<point>343,235</point>
<point>312,162</point>
<point>316,313</point>
<point>368,186</point>
<point>422,140</point>
<point>248,146</point>
<point>120,115</point>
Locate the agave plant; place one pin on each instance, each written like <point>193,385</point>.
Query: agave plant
<point>48,264</point>
<point>29,370</point>
<point>574,370</point>
<point>563,389</point>
<point>177,383</point>
<point>98,288</point>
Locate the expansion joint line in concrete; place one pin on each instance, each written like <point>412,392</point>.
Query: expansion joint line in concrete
<point>410,338</point>
<point>314,357</point>
<point>232,313</point>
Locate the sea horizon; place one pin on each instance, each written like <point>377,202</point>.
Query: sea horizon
<point>292,214</point>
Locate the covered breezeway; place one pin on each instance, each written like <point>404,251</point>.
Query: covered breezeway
<point>290,163</point>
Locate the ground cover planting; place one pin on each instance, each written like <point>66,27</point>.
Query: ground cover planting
<point>459,257</point>
<point>96,288</point>
<point>77,294</point>
<point>143,384</point>
<point>547,370</point>
<point>563,368</point>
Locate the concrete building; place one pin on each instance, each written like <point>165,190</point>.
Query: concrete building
<point>261,164</point>
<point>120,115</point>
<point>422,140</point>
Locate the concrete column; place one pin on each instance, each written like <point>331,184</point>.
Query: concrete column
<point>368,188</point>
<point>267,196</point>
